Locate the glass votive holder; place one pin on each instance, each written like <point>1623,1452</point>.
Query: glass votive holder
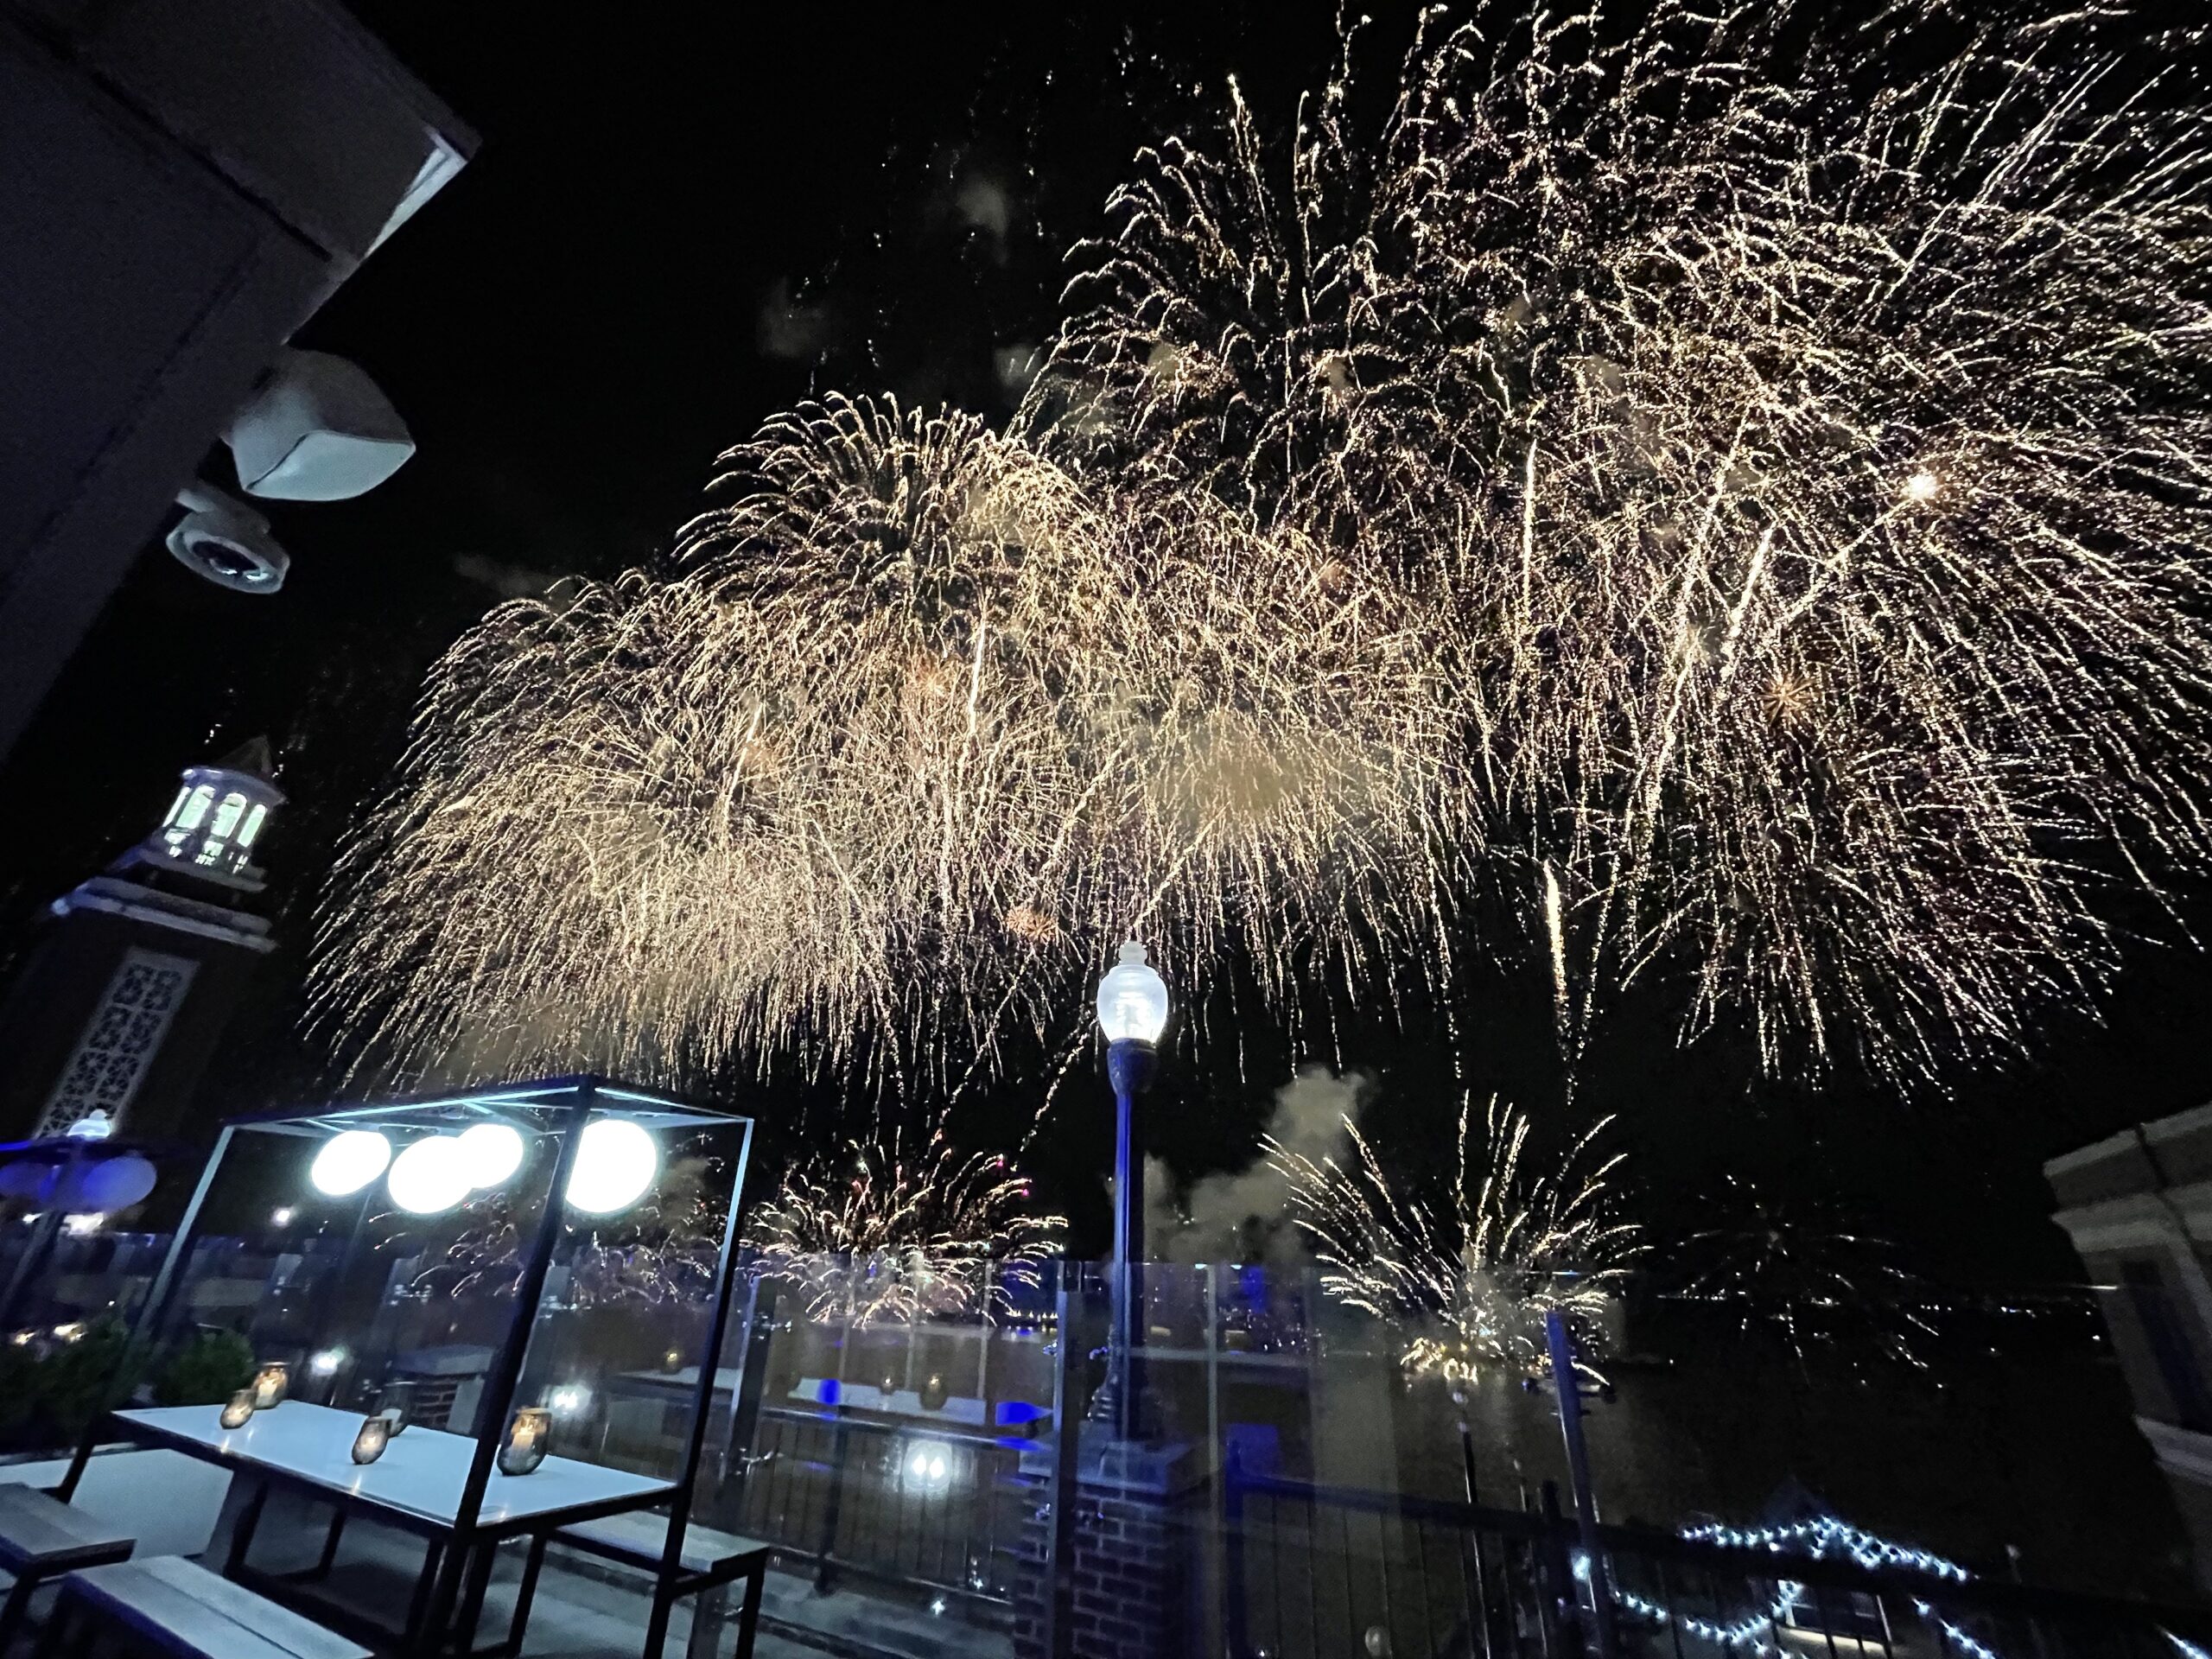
<point>524,1448</point>
<point>269,1384</point>
<point>237,1412</point>
<point>396,1405</point>
<point>370,1439</point>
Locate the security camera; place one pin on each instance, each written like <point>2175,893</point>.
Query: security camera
<point>227,542</point>
<point>316,428</point>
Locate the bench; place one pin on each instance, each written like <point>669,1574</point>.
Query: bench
<point>179,1608</point>
<point>41,1538</point>
<point>710,1563</point>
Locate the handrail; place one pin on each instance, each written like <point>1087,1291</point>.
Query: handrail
<point>849,1417</point>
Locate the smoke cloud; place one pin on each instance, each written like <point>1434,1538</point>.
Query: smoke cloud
<point>1238,1215</point>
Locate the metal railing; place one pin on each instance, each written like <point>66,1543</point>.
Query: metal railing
<point>1311,1570</point>
<point>917,1505</point>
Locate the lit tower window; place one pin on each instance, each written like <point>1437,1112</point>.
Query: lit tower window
<point>217,816</point>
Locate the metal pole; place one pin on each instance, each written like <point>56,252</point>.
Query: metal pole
<point>496,1402</point>
<point>752,1381</point>
<point>1577,1468</point>
<point>156,1303</point>
<point>60,1185</point>
<point>1480,1610</point>
<point>679,1508</point>
<point>1067,1433</point>
<point>1232,1544</point>
<point>1128,1068</point>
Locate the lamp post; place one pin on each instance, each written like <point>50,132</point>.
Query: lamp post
<point>1131,1012</point>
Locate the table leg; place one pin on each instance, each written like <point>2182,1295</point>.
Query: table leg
<point>52,1639</point>
<point>657,1623</point>
<point>438,1624</point>
<point>748,1612</point>
<point>419,1608</point>
<point>242,1534</point>
<point>707,1608</point>
<point>330,1545</point>
<point>472,1599</point>
<point>18,1604</point>
<point>526,1591</point>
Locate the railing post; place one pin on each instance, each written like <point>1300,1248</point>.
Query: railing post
<point>1067,1434</point>
<point>147,1326</point>
<point>1554,1572</point>
<point>840,1449</point>
<point>1578,1464</point>
<point>39,1247</point>
<point>1232,1553</point>
<point>1480,1611</point>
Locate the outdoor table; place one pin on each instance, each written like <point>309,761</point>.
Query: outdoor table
<point>417,1485</point>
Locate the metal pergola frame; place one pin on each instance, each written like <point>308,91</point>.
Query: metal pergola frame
<point>571,1102</point>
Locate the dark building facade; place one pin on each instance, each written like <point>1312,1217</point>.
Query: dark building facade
<point>122,999</point>
<point>2138,1207</point>
<point>187,184</point>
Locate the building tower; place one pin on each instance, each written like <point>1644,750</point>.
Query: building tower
<point>121,1000</point>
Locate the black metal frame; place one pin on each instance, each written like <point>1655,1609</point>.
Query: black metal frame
<point>458,1567</point>
<point>1542,1542</point>
<point>750,1565</point>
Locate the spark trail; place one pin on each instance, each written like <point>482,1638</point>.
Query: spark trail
<point>1717,498</point>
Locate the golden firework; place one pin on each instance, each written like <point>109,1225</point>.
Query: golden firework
<point>1667,358</point>
<point>1734,489</point>
<point>868,1238</point>
<point>1467,1284</point>
<point>922,728</point>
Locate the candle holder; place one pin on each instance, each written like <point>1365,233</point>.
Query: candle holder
<point>270,1384</point>
<point>239,1410</point>
<point>396,1405</point>
<point>371,1437</point>
<point>524,1448</point>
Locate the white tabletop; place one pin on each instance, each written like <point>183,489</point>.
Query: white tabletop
<point>421,1471</point>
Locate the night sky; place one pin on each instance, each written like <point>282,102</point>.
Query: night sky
<point>669,234</point>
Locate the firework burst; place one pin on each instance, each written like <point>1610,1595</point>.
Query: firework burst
<point>1797,1266</point>
<point>1723,494</point>
<point>921,728</point>
<point>865,1239</point>
<point>1804,430</point>
<point>1467,1284</point>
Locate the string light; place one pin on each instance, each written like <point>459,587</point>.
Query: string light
<point>1817,1537</point>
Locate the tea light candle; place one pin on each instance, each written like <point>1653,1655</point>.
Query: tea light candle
<point>239,1411</point>
<point>524,1449</point>
<point>269,1385</point>
<point>375,1434</point>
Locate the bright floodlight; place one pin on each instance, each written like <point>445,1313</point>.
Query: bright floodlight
<point>349,1162</point>
<point>1132,1000</point>
<point>929,1466</point>
<point>431,1176</point>
<point>569,1400</point>
<point>614,1166</point>
<point>1922,485</point>
<point>326,1363</point>
<point>493,1151</point>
